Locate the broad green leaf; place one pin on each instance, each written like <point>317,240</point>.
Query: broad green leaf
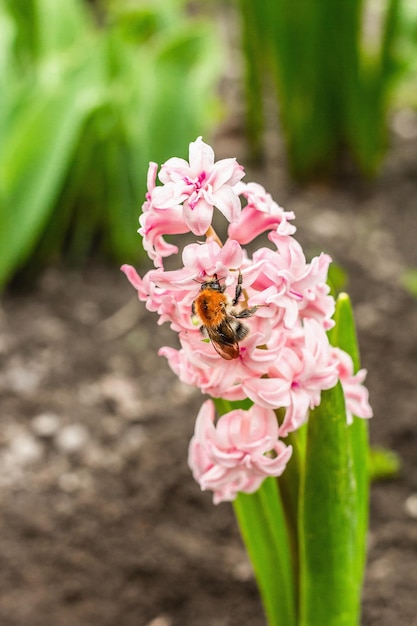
<point>328,520</point>
<point>122,200</point>
<point>289,486</point>
<point>254,75</point>
<point>343,335</point>
<point>263,527</point>
<point>262,524</point>
<point>61,25</point>
<point>35,157</point>
<point>165,102</point>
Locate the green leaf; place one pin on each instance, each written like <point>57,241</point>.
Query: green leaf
<point>289,487</point>
<point>383,464</point>
<point>343,335</point>
<point>262,524</point>
<point>337,278</point>
<point>329,587</point>
<point>338,100</point>
<point>254,75</point>
<point>61,25</point>
<point>35,156</point>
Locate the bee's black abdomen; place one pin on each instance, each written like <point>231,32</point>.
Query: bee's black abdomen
<point>239,329</point>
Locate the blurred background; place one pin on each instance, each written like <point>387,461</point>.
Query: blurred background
<point>92,91</point>
<point>101,522</point>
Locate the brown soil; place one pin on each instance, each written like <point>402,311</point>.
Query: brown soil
<point>101,521</point>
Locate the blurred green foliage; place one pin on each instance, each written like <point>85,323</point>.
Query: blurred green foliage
<point>409,281</point>
<point>337,278</point>
<point>332,65</point>
<point>85,104</point>
<point>383,464</point>
<point>406,88</point>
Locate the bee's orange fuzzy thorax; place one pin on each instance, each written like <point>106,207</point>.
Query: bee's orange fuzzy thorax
<point>210,306</point>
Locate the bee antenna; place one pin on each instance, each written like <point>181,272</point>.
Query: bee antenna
<point>200,282</point>
<point>213,278</point>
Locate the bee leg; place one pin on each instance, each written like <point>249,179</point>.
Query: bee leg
<point>238,291</point>
<point>245,313</point>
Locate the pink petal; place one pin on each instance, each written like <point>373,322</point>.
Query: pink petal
<point>169,196</point>
<point>227,202</point>
<point>271,393</point>
<point>201,156</point>
<point>234,455</point>
<point>198,218</point>
<point>174,170</point>
<point>132,276</point>
<point>225,172</point>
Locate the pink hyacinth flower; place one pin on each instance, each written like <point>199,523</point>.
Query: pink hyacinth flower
<point>287,285</point>
<point>356,394</point>
<point>305,368</point>
<point>260,214</point>
<point>237,453</point>
<point>156,222</point>
<point>199,186</point>
<point>209,258</point>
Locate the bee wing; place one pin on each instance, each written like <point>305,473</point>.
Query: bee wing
<point>224,340</point>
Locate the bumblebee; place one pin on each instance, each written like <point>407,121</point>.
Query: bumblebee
<point>220,319</point>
